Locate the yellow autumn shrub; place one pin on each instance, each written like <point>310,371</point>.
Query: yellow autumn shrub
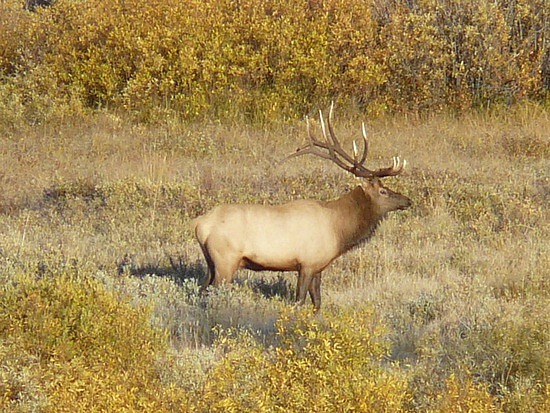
<point>466,396</point>
<point>69,345</point>
<point>263,60</point>
<point>326,364</point>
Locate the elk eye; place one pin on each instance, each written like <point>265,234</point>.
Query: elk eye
<point>383,192</point>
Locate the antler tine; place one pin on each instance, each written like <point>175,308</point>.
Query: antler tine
<point>337,153</point>
<point>393,170</point>
<point>398,165</point>
<point>396,168</point>
<point>313,145</point>
<point>312,140</point>
<point>306,150</point>
<point>334,149</point>
<point>335,141</point>
<point>323,129</point>
<point>356,167</point>
<point>365,144</point>
<point>338,150</point>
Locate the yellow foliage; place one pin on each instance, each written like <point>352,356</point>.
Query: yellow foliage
<point>319,365</point>
<point>467,397</point>
<point>261,60</point>
<point>75,347</point>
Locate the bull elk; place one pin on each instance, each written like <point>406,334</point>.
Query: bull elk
<point>303,235</point>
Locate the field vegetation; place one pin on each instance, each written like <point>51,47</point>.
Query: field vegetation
<point>110,142</point>
<point>259,60</point>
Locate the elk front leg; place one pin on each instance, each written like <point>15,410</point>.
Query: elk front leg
<point>315,291</point>
<point>308,281</point>
<point>304,280</point>
<point>221,267</point>
<point>211,269</point>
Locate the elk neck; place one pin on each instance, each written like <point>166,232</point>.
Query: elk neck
<point>356,218</point>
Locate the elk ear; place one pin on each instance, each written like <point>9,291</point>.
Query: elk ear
<point>368,185</point>
<point>371,186</point>
<point>373,182</point>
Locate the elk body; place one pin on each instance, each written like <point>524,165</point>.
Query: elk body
<point>304,235</point>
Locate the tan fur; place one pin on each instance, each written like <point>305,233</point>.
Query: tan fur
<point>304,236</point>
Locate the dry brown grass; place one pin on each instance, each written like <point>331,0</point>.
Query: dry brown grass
<point>461,280</point>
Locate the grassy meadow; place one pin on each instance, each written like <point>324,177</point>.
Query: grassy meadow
<point>445,309</point>
<point>122,120</point>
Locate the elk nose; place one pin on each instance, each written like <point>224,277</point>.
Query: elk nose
<point>406,203</point>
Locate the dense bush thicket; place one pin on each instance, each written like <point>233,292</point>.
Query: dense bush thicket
<point>262,59</point>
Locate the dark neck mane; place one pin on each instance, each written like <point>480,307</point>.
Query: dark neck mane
<point>357,218</point>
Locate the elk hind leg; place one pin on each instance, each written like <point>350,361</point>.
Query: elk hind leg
<point>211,276</point>
<point>225,266</point>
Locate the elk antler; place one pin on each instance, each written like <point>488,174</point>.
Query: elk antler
<point>332,150</point>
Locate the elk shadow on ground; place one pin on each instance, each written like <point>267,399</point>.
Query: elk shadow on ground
<point>274,285</point>
<point>181,270</point>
